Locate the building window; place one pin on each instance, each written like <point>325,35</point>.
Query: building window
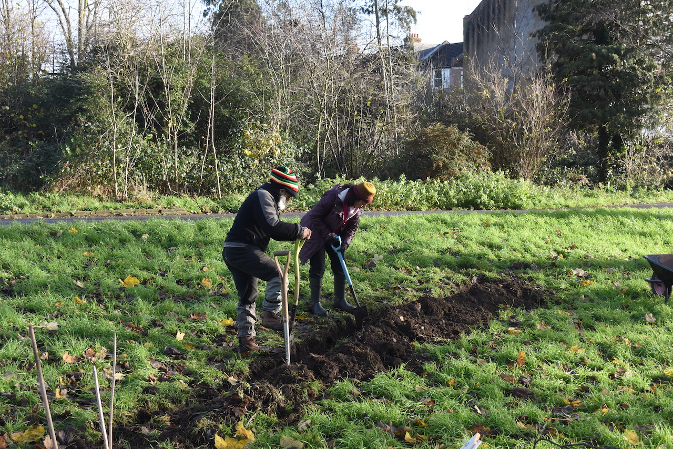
<point>442,78</point>
<point>438,78</point>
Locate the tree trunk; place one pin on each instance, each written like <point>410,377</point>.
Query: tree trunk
<point>603,153</point>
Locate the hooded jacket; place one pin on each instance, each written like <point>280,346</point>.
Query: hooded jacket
<point>258,220</point>
<point>326,218</point>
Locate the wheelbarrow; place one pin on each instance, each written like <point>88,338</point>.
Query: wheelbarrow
<point>662,278</point>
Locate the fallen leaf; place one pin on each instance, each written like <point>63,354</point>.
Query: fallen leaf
<point>514,331</point>
<point>201,316</point>
<point>206,282</point>
<point>287,442</point>
<point>579,272</point>
<point>78,283</point>
<point>29,436</point>
<point>632,437</point>
<point>51,326</point>
<point>88,254</point>
<point>521,359</point>
<point>3,442</point>
<point>304,424</point>
<point>180,335</point>
<point>241,431</point>
<point>72,230</point>
<point>68,358</point>
<point>427,401</point>
<point>577,349</point>
<point>650,318</point>
<point>229,443</point>
<point>227,322</point>
<point>542,326</point>
<point>130,281</point>
<point>78,300</point>
<point>586,283</point>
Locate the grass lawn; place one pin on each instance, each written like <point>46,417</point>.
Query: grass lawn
<point>595,367</point>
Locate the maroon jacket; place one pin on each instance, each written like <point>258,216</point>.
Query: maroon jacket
<point>324,219</point>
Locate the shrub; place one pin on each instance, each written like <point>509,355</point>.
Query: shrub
<point>443,152</point>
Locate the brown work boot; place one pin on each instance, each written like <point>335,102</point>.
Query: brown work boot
<point>272,321</point>
<point>247,344</point>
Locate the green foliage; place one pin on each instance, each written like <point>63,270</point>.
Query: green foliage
<point>443,152</point>
<point>616,59</point>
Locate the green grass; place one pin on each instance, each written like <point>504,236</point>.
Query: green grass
<point>605,350</point>
<point>471,191</point>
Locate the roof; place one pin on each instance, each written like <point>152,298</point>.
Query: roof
<point>442,54</point>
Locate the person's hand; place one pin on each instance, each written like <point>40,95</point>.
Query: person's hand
<point>306,233</point>
<point>335,241</point>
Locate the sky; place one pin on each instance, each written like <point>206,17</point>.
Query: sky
<point>440,20</point>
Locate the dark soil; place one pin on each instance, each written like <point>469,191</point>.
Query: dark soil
<point>327,350</point>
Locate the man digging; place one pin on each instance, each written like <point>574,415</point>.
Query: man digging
<point>245,255</point>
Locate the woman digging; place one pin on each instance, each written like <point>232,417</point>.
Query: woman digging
<point>333,222</point>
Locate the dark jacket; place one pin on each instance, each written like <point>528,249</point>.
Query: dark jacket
<point>324,219</point>
<point>258,220</point>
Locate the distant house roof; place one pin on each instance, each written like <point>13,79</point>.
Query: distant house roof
<point>444,54</point>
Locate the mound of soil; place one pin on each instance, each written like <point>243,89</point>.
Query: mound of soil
<point>327,350</point>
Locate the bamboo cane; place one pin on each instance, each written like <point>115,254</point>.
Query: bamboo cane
<point>42,388</point>
<point>100,411</point>
<point>112,391</point>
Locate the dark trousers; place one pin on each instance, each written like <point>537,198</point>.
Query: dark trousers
<point>317,263</point>
<point>248,264</point>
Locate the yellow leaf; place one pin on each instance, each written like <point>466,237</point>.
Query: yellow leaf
<point>180,335</point>
<point>632,437</point>
<point>521,359</point>
<point>130,281</point>
<point>514,331</point>
<point>576,348</point>
<point>58,303</point>
<point>29,436</point>
<point>88,253</point>
<point>409,439</point>
<point>241,431</point>
<point>668,372</point>
<point>451,383</point>
<point>586,283</point>
<point>72,230</point>
<point>78,300</point>
<point>227,322</point>
<point>206,282</point>
<point>229,443</point>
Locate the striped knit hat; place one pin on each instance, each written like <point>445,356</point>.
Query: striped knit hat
<point>364,191</point>
<point>286,180</point>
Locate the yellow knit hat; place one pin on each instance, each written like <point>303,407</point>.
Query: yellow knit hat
<point>364,191</point>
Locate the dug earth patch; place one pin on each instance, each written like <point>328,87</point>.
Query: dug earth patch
<point>326,350</point>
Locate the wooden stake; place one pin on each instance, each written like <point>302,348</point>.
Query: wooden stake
<point>112,391</point>
<point>43,388</point>
<point>100,411</point>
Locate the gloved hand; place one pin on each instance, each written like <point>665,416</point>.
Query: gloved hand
<point>335,242</point>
